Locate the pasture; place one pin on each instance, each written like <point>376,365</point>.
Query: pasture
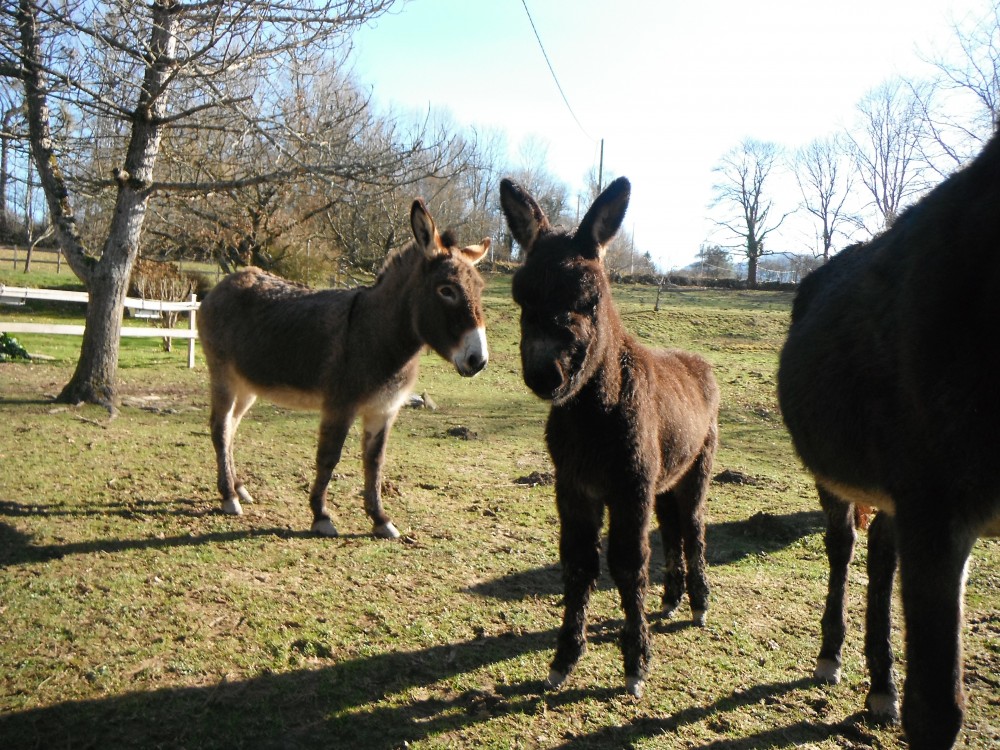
<point>137,615</point>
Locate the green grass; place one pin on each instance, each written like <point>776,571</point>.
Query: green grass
<point>136,615</point>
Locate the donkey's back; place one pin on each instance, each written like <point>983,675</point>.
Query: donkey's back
<point>273,333</point>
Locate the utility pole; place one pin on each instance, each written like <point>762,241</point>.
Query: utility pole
<point>600,170</point>
<point>631,254</point>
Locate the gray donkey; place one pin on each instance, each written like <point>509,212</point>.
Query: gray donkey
<point>347,353</point>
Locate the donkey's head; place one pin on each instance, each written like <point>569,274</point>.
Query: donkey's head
<point>449,314</point>
<point>562,289</point>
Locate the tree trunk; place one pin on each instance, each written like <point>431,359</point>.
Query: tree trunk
<point>94,380</point>
<point>752,271</point>
<point>5,141</point>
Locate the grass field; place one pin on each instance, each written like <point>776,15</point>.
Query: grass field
<point>136,615</point>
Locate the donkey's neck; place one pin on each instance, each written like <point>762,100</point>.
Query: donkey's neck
<point>613,357</point>
<point>384,311</point>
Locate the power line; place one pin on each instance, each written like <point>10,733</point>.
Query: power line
<point>552,70</point>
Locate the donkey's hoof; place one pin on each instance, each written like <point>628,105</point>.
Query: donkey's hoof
<point>244,495</point>
<point>698,617</point>
<point>635,686</point>
<point>883,707</point>
<point>324,527</point>
<point>386,531</point>
<point>827,670</point>
<point>232,507</point>
<point>556,678</point>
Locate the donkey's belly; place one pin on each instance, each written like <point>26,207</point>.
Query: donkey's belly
<point>877,498</point>
<point>282,395</point>
<point>871,496</point>
<point>292,398</point>
<point>992,527</point>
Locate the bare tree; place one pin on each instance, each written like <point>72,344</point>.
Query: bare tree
<point>740,191</point>
<point>481,182</point>
<point>886,148</point>
<point>533,175</point>
<point>132,76</point>
<point>825,186</point>
<point>962,106</point>
<point>12,157</point>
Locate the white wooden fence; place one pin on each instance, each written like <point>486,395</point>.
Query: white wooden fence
<point>145,308</point>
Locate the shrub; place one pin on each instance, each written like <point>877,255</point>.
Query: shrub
<point>161,280</point>
<point>306,269</point>
<point>153,279</point>
<point>11,349</point>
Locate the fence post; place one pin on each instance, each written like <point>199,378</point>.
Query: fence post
<point>191,321</point>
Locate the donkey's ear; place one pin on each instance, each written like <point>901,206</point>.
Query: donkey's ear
<point>604,218</point>
<point>524,216</point>
<point>475,253</point>
<point>424,231</point>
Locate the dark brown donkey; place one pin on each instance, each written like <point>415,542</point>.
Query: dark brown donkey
<point>889,386</point>
<point>630,429</point>
<point>345,352</point>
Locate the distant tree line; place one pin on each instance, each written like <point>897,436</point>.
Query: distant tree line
<point>853,183</point>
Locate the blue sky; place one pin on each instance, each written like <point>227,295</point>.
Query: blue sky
<point>670,86</point>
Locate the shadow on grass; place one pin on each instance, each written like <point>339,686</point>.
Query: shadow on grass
<point>136,509</point>
<point>380,701</point>
<point>25,401</point>
<point>762,533</point>
<point>796,734</point>
<point>725,543</point>
<point>18,548</point>
<point>344,704</point>
<point>385,701</point>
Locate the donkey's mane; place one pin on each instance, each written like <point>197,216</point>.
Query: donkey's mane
<point>410,253</point>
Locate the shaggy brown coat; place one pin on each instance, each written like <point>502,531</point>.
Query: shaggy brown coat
<point>630,429</point>
<point>347,353</point>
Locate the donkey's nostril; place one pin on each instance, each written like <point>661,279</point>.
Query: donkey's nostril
<point>476,363</point>
<point>473,354</point>
<point>473,364</point>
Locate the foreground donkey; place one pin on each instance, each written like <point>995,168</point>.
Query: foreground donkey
<point>630,429</point>
<point>889,386</point>
<point>345,352</point>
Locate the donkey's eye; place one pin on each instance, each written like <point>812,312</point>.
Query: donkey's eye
<point>448,293</point>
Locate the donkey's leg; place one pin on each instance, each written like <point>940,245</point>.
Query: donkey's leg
<point>691,495</point>
<point>628,561</point>
<point>375,434</point>
<point>840,536</point>
<point>222,429</point>
<point>243,403</point>
<point>883,698</point>
<point>580,522</point>
<point>673,554</point>
<point>333,431</point>
<point>933,551</point>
